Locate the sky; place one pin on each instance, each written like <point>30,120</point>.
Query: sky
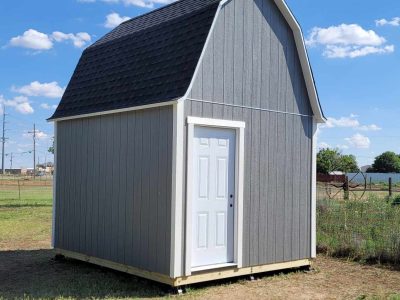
<point>354,49</point>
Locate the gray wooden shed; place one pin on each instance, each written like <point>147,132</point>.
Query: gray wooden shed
<point>185,145</point>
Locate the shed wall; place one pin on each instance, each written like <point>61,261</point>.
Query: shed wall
<point>114,187</point>
<point>252,61</point>
<point>251,66</point>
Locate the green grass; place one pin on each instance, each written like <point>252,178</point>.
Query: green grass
<point>25,221</point>
<point>367,231</point>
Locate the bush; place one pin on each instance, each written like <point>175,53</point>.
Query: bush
<point>368,231</point>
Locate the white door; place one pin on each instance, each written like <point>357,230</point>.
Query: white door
<point>213,196</point>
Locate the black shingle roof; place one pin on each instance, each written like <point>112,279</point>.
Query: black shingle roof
<point>149,59</point>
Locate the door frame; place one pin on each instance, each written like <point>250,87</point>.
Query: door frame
<point>239,128</point>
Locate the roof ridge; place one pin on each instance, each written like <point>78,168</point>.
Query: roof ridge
<point>130,24</point>
<point>153,11</point>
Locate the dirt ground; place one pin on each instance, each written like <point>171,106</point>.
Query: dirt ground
<point>35,274</point>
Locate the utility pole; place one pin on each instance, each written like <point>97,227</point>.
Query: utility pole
<point>11,161</point>
<point>34,150</point>
<point>3,140</point>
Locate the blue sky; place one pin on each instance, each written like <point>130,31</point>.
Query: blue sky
<point>354,59</point>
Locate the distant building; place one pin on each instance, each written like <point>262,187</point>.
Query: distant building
<point>20,171</point>
<point>336,173</point>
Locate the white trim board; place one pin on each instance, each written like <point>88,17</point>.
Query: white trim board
<point>239,179</point>
<point>250,107</point>
<point>215,122</point>
<point>115,111</point>
<point>314,191</point>
<point>53,223</point>
<point>177,191</point>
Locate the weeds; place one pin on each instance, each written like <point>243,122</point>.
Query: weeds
<point>367,231</point>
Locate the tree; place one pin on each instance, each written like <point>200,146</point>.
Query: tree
<point>388,162</point>
<point>51,149</point>
<point>348,164</point>
<point>329,160</point>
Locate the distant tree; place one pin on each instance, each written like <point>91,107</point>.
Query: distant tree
<point>348,164</point>
<point>51,149</point>
<point>329,160</point>
<point>387,162</point>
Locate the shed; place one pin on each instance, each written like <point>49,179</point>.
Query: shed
<point>185,145</point>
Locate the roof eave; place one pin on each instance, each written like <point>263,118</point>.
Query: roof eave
<point>115,111</point>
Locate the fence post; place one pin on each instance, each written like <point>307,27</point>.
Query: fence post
<point>390,187</point>
<point>346,188</point>
<point>19,191</point>
<point>370,183</point>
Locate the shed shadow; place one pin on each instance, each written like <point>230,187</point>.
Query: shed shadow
<point>37,275</point>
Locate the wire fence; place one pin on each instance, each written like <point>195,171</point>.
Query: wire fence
<point>364,229</point>
<point>361,230</point>
<point>25,191</point>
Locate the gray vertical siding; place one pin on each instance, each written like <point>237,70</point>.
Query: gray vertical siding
<point>252,61</point>
<point>114,187</point>
<point>277,184</point>
<point>252,64</point>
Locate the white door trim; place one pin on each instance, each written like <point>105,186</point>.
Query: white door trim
<point>239,127</point>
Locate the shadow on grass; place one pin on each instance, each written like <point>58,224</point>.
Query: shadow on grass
<point>36,275</point>
<point>25,205</point>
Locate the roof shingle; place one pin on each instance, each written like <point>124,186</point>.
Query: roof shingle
<point>147,60</point>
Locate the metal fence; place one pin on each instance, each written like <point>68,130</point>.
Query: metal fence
<point>18,190</point>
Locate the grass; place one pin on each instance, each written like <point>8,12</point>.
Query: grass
<point>25,221</point>
<point>32,272</point>
<point>367,231</point>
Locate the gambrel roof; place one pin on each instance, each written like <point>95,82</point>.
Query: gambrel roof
<point>152,59</point>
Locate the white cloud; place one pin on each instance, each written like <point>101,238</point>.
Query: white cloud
<point>342,147</point>
<point>32,39</point>
<point>371,127</point>
<point>139,3</point>
<point>35,40</point>
<point>114,19</point>
<point>349,122</point>
<point>79,40</point>
<point>348,41</point>
<point>359,141</point>
<point>332,51</point>
<point>37,89</point>
<point>342,122</point>
<point>146,3</point>
<point>383,22</point>
<point>324,145</point>
<point>47,106</point>
<point>20,104</point>
<point>40,135</point>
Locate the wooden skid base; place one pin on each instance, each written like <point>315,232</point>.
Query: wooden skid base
<point>197,277</point>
